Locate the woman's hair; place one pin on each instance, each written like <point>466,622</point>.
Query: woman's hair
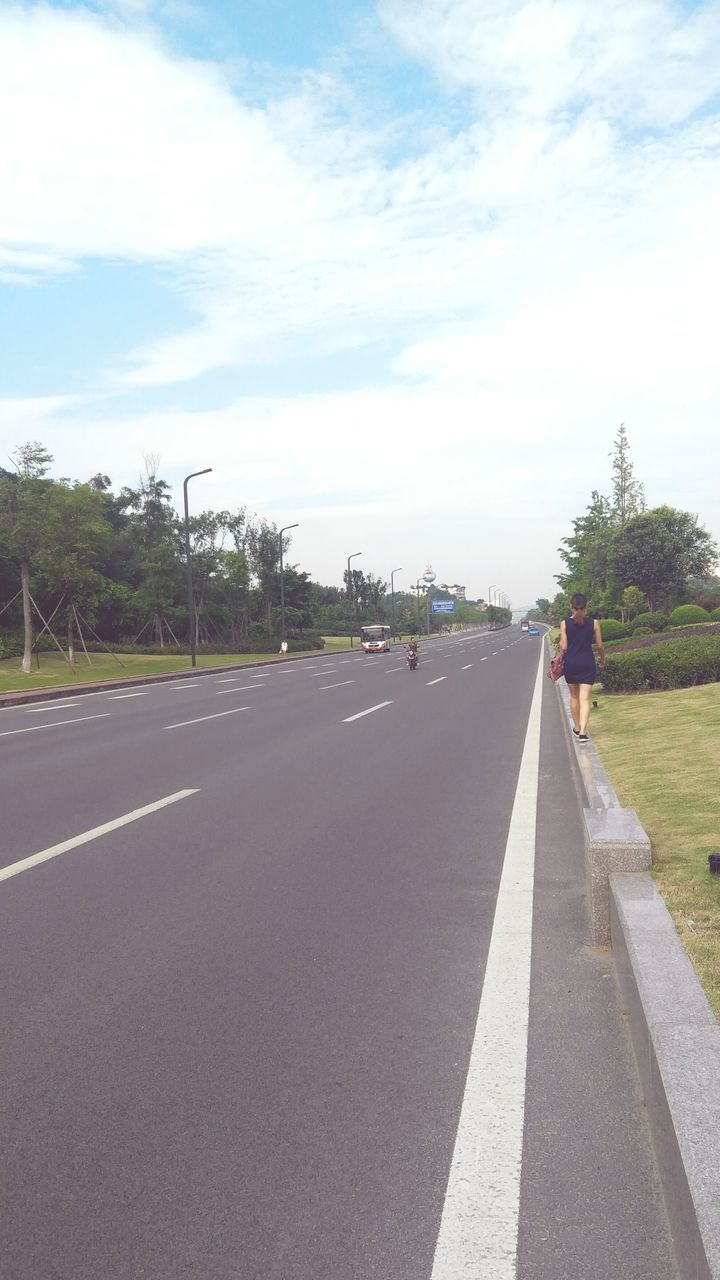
<point>578,601</point>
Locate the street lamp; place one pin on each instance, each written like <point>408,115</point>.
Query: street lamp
<point>392,601</point>
<point>354,556</point>
<point>188,562</point>
<point>428,577</point>
<point>417,602</point>
<point>282,579</point>
<point>491,588</point>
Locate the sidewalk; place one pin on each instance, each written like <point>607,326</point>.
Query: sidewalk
<point>591,1198</point>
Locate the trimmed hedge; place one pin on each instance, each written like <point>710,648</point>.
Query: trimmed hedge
<point>674,664</point>
<point>685,614</point>
<point>653,622</point>
<point>612,629</point>
<point>715,615</point>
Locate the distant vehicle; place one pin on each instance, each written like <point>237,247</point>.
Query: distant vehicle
<point>375,639</point>
<point>533,630</point>
<point>524,625</point>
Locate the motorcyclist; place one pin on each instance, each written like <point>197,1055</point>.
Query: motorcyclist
<point>411,651</point>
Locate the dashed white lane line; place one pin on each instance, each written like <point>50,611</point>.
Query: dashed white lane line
<point>262,677</point>
<point>57,724</point>
<point>46,854</point>
<point>227,680</point>
<point>334,686</point>
<point>62,706</point>
<point>479,1227</point>
<point>200,719</point>
<point>391,669</point>
<point>466,668</point>
<point>330,671</point>
<point>378,707</point>
<point>437,681</point>
<point>117,697</point>
<point>240,688</point>
<point>487,655</point>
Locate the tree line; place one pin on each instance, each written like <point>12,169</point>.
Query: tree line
<point>94,566</point>
<point>629,559</point>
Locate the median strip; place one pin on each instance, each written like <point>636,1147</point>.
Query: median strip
<point>55,850</point>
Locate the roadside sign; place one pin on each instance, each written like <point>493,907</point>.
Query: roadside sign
<point>443,606</point>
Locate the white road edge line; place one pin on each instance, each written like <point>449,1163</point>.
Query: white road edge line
<point>55,850</point>
<point>200,719</point>
<point>58,724</point>
<point>479,1227</point>
<point>369,711</point>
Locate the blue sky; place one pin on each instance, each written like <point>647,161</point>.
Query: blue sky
<point>395,270</point>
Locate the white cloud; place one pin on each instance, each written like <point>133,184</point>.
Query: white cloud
<point>651,62</point>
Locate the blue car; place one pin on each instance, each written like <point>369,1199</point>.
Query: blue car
<point>533,630</point>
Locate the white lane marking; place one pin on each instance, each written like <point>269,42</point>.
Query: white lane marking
<point>200,719</point>
<point>437,681</point>
<point>262,677</point>
<point>369,711</point>
<point>57,724</point>
<point>239,688</point>
<point>494,652</point>
<point>62,706</point>
<point>334,686</point>
<point>115,697</point>
<point>61,702</point>
<point>466,668</point>
<point>391,669</point>
<point>180,688</point>
<point>322,674</point>
<point>86,836</point>
<point>228,679</point>
<point>485,658</point>
<point>479,1227</point>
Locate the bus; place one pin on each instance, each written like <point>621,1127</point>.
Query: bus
<point>375,639</point>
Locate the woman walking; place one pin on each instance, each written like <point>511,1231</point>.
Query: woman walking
<point>578,633</point>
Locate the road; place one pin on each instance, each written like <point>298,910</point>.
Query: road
<point>274,1027</point>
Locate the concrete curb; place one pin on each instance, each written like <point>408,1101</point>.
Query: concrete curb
<point>677,1046</point>
<point>675,1035</point>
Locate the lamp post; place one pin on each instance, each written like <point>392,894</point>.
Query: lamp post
<point>354,556</point>
<point>392,601</point>
<point>188,562</point>
<point>491,588</point>
<point>428,577</point>
<point>282,579</point>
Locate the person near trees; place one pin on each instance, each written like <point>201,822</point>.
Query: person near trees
<point>578,634</point>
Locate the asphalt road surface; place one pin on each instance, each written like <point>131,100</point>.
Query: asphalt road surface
<point>297,984</point>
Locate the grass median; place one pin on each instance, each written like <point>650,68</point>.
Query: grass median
<point>662,754</point>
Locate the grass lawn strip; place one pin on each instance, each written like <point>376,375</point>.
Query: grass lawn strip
<point>662,754</point>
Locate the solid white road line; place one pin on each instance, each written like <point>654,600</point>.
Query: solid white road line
<point>439,678</point>
<point>116,697</point>
<point>479,1227</point>
<point>200,719</point>
<point>334,686</point>
<point>369,711</point>
<point>57,724</point>
<point>63,706</point>
<point>46,854</point>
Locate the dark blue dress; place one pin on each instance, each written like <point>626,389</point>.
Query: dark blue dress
<point>579,657</point>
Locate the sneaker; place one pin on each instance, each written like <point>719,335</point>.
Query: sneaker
<point>583,737</point>
<point>576,732</point>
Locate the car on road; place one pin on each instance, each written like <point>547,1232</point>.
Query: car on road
<point>533,630</point>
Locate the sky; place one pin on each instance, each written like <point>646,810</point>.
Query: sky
<point>395,269</point>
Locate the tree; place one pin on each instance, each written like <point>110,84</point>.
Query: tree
<point>628,494</point>
<point>156,541</point>
<point>22,516</point>
<point>589,556</point>
<point>659,550</point>
<point>634,602</point>
<point>77,535</point>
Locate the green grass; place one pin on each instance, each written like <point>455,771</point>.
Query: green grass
<point>662,754</point>
<point>54,670</point>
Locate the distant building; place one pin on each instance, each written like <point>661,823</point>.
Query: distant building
<point>459,593</point>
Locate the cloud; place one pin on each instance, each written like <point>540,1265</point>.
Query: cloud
<point>648,62</point>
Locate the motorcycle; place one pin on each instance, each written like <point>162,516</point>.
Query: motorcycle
<point>412,659</point>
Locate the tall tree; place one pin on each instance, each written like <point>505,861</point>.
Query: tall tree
<point>628,497</point>
<point>22,516</point>
<point>588,555</point>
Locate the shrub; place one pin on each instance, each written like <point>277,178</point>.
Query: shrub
<point>685,614</point>
<point>653,622</point>
<point>643,631</point>
<point>613,630</point>
<point>674,664</point>
<point>715,615</point>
